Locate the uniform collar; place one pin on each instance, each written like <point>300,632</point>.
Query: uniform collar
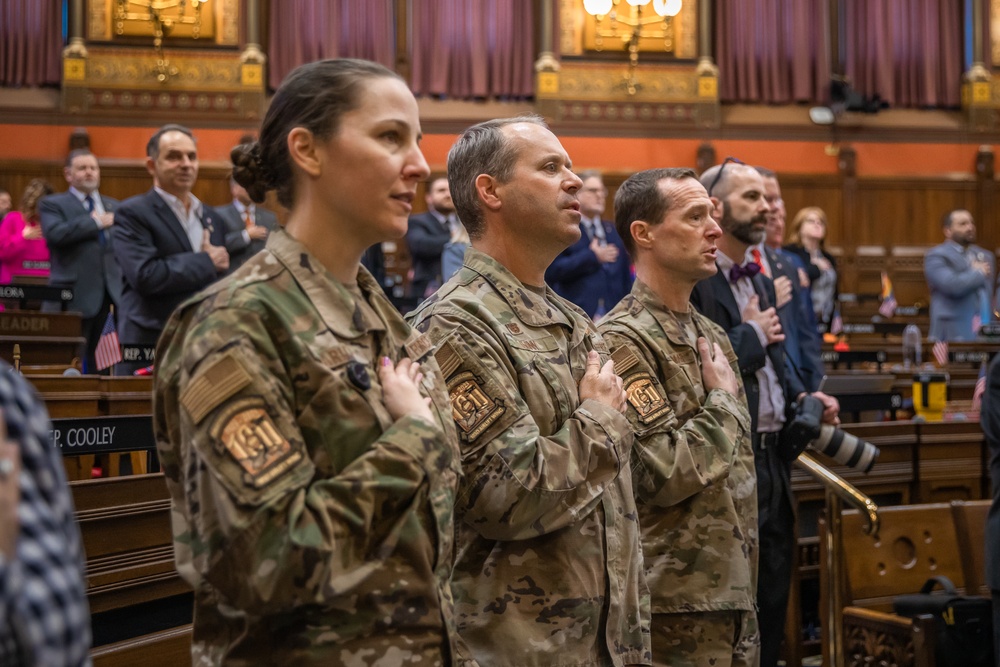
<point>644,298</point>
<point>528,307</point>
<point>336,304</point>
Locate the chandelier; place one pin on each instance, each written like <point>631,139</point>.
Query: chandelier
<point>163,15</point>
<point>627,26</point>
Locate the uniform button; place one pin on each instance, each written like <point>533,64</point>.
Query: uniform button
<point>358,375</point>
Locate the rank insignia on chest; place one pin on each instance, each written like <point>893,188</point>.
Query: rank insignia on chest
<point>249,435</point>
<point>645,397</point>
<point>471,407</point>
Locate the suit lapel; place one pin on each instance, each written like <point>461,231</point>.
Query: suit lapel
<point>170,221</point>
<point>724,295</point>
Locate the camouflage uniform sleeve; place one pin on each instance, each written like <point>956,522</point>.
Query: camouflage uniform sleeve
<point>258,522</point>
<point>673,460</point>
<point>519,484</point>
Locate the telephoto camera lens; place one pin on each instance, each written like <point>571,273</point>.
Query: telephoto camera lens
<point>845,448</point>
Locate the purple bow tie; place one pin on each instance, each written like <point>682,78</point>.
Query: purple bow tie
<point>748,270</point>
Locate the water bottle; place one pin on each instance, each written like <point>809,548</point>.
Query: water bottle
<point>911,346</point>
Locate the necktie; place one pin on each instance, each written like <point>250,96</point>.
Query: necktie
<point>748,270</point>
<point>88,203</point>
<point>755,253</point>
<point>247,218</point>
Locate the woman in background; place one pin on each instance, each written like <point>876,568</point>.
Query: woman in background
<point>312,461</point>
<point>23,251</point>
<point>806,240</point>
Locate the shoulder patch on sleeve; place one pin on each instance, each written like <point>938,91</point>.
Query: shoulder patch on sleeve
<point>472,408</point>
<point>644,396</point>
<point>624,359</point>
<point>213,385</point>
<point>448,359</point>
<point>246,431</point>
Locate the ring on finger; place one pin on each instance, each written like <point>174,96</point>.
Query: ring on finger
<point>6,467</point>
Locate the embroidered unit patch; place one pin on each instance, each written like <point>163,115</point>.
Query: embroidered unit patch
<point>472,409</point>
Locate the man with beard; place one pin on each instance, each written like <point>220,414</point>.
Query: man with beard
<point>427,235</point>
<point>960,277</point>
<point>741,300</point>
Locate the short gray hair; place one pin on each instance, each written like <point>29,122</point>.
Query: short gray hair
<point>482,149</point>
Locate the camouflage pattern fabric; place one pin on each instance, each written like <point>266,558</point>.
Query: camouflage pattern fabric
<point>706,638</point>
<point>692,465</point>
<point>313,528</point>
<point>549,568</point>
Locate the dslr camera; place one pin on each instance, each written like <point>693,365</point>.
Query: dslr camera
<point>807,430</point>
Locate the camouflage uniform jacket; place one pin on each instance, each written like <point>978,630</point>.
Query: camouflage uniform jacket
<point>549,568</point>
<point>692,465</point>
<point>313,528</point>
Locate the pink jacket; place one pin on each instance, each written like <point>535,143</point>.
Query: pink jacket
<point>19,256</point>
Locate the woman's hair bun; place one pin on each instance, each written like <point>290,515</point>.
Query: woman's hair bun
<point>248,170</point>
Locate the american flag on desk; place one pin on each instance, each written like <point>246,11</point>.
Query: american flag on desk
<point>940,352</point>
<point>108,351</point>
<point>977,394</point>
<point>837,323</point>
<point>888,307</point>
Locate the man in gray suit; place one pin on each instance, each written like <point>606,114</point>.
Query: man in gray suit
<point>247,226</point>
<point>77,225</point>
<point>960,277</point>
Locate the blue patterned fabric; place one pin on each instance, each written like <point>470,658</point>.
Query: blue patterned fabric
<point>44,619</point>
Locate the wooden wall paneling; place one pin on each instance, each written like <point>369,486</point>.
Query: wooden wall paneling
<point>908,211</point>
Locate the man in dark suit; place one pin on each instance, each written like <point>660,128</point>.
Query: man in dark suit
<point>741,300</point>
<point>802,339</point>
<point>594,273</point>
<point>426,236</point>
<point>990,420</point>
<point>169,245</point>
<point>77,225</point>
<point>247,226</point>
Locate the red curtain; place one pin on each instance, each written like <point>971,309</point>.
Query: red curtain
<point>302,31</point>
<point>909,52</point>
<point>30,42</point>
<point>473,50</point>
<point>773,51</point>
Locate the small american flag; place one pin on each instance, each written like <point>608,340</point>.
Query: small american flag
<point>977,394</point>
<point>108,351</point>
<point>888,307</point>
<point>940,352</point>
<point>837,323</point>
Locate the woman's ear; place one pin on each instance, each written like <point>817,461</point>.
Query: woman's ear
<point>302,148</point>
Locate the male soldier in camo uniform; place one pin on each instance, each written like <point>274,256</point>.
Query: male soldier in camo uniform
<point>314,529</point>
<point>549,563</point>
<point>692,465</point>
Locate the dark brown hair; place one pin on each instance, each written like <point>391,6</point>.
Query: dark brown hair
<point>314,96</point>
<point>640,198</point>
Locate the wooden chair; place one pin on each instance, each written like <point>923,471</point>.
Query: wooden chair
<point>970,523</point>
<point>915,542</point>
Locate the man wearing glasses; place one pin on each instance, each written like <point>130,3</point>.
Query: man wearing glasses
<point>741,299</point>
<point>594,273</point>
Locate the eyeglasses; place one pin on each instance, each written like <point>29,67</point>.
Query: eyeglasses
<point>718,174</point>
